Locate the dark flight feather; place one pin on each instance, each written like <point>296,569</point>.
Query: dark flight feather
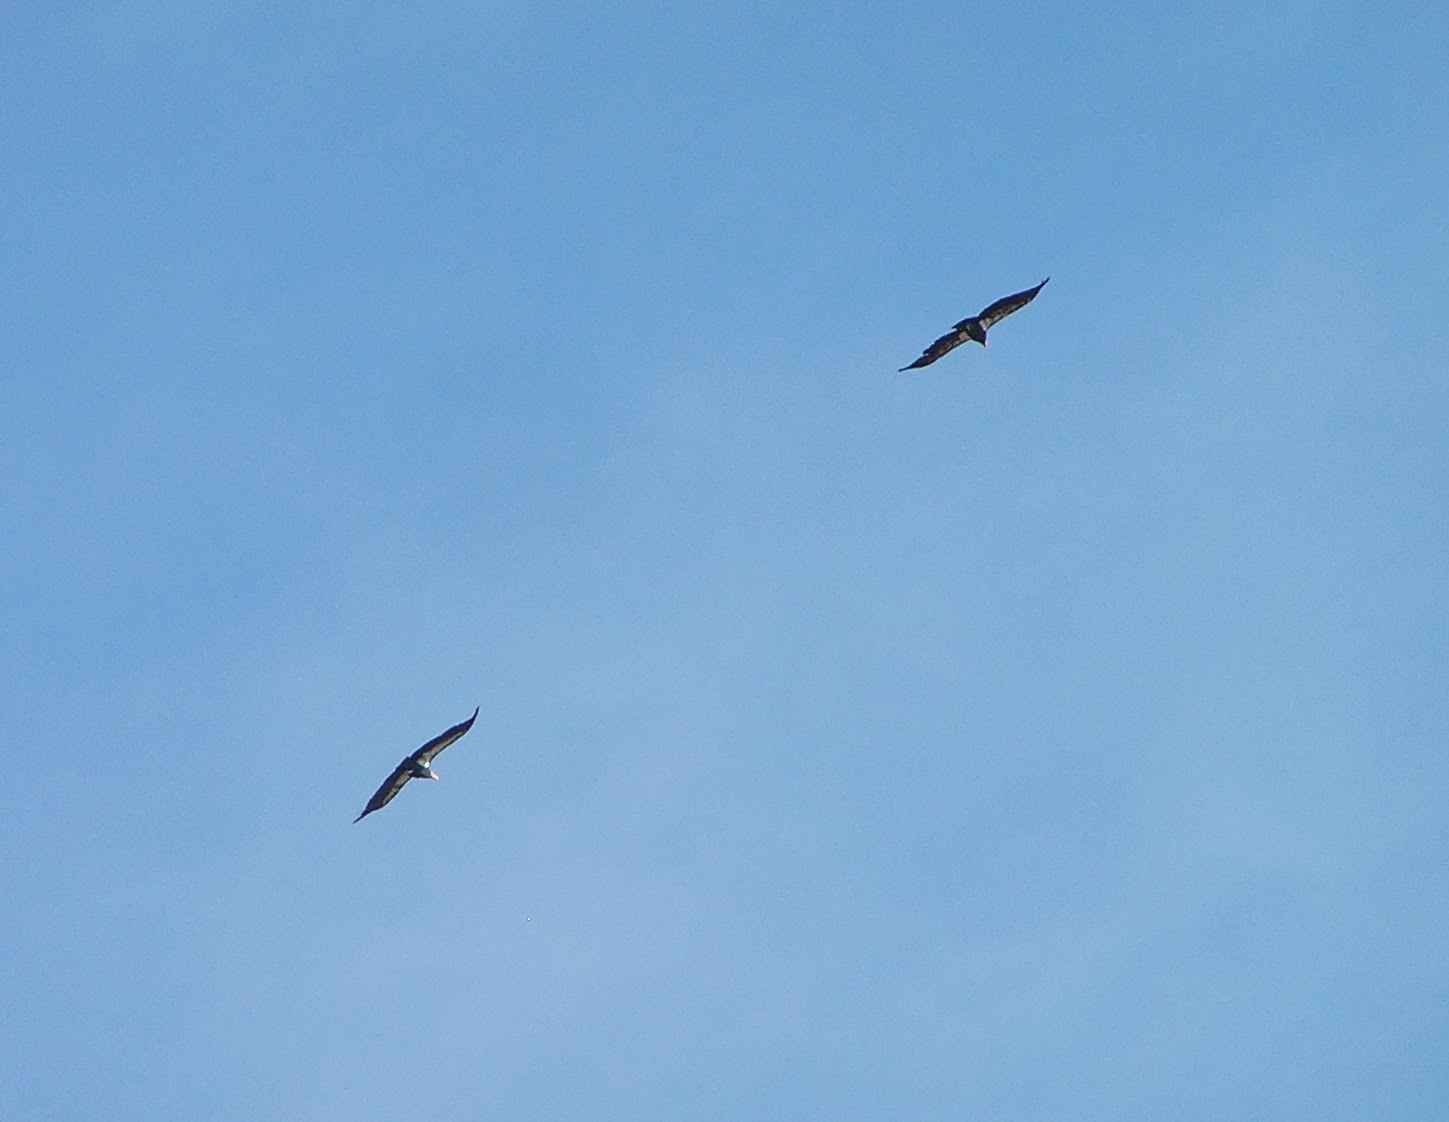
<point>408,768</point>
<point>974,327</point>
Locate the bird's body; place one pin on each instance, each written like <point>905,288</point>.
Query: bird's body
<point>417,766</point>
<point>972,329</point>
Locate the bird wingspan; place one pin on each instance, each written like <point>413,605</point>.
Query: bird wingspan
<point>404,771</point>
<point>992,313</point>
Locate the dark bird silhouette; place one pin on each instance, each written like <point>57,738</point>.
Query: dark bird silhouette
<point>973,328</point>
<point>417,766</point>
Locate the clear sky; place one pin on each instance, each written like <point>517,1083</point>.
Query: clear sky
<point>1057,732</point>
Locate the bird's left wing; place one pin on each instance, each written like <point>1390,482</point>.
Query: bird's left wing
<point>390,787</point>
<point>425,754</point>
<point>994,313</point>
<point>944,345</point>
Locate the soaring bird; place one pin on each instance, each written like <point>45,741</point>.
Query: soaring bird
<point>974,327</point>
<point>417,766</point>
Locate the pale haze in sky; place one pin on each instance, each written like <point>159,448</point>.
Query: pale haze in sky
<point>1055,732</point>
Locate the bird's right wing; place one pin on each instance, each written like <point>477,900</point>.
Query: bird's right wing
<point>425,754</point>
<point>994,313</point>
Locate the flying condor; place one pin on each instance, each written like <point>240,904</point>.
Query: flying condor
<point>974,327</point>
<point>417,766</point>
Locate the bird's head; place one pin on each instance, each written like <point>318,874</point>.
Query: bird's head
<point>976,332</point>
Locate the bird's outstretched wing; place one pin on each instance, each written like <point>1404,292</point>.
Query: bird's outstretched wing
<point>994,313</point>
<point>389,789</point>
<point>425,754</point>
<point>944,345</point>
<point>404,771</point>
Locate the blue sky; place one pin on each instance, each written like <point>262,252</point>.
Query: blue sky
<point>1055,732</point>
